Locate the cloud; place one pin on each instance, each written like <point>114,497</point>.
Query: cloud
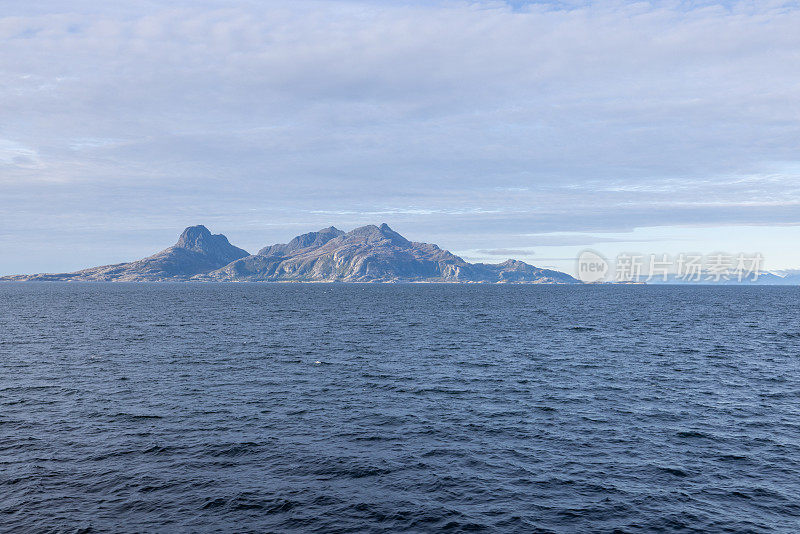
<point>15,155</point>
<point>463,120</point>
<point>509,252</point>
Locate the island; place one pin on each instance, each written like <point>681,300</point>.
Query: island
<point>368,254</point>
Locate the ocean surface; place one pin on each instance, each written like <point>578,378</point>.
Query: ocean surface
<point>387,408</point>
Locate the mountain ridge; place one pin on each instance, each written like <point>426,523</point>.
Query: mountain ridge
<point>196,251</point>
<point>367,254</point>
<point>372,254</point>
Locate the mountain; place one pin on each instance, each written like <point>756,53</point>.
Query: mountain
<point>788,277</point>
<point>764,278</point>
<point>311,239</point>
<point>367,254</point>
<point>372,254</point>
<point>197,251</point>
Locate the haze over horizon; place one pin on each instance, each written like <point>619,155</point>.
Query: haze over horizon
<point>529,130</point>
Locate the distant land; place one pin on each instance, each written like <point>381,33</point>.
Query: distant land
<point>369,254</point>
<point>764,278</point>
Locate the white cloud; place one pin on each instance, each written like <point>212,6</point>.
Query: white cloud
<point>16,155</point>
<point>453,115</point>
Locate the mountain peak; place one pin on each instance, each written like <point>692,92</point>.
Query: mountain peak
<point>194,237</point>
<point>372,233</point>
<point>197,251</point>
<point>513,263</point>
<point>199,239</point>
<point>309,240</point>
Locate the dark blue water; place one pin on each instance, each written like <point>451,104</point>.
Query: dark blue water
<point>350,408</point>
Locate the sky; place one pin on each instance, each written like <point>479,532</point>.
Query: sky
<point>532,130</point>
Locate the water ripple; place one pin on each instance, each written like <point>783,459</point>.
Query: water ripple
<point>338,408</point>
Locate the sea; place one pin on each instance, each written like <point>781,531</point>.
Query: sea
<point>398,408</point>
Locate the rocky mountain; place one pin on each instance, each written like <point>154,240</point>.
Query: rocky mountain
<point>372,254</point>
<point>197,251</point>
<point>367,254</point>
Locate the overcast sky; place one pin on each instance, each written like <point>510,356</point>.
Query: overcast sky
<point>495,129</point>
